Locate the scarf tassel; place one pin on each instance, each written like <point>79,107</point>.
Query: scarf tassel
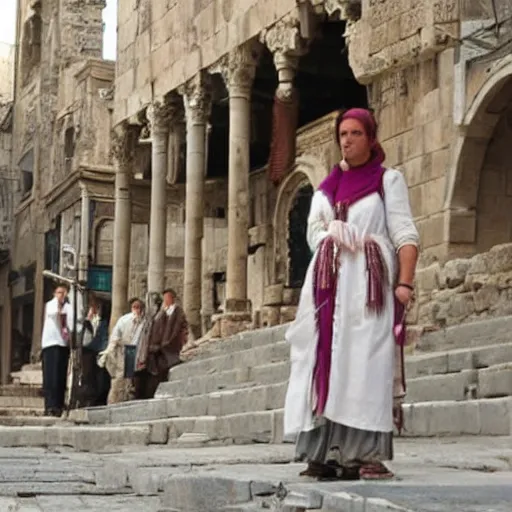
<point>377,277</point>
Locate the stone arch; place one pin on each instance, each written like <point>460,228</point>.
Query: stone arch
<point>474,141</point>
<point>307,170</point>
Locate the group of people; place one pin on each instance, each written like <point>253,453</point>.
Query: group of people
<point>129,364</point>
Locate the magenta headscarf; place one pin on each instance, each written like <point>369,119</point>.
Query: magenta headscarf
<point>358,182</point>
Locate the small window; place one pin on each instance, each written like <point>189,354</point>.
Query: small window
<point>69,148</point>
<point>27,172</point>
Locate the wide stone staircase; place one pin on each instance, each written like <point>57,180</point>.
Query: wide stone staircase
<point>233,391</point>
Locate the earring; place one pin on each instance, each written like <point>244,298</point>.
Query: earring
<point>344,165</point>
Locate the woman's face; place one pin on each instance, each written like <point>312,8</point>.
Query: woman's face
<point>354,142</point>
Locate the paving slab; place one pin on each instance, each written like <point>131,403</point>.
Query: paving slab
<point>471,474</point>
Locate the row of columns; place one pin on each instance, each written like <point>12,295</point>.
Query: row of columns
<point>238,70</point>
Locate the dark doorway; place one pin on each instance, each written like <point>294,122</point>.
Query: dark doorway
<point>298,249</point>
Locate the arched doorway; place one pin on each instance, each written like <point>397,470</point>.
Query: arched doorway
<point>299,254</point>
<point>291,252</point>
<point>480,187</point>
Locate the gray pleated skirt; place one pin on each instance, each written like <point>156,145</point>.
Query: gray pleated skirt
<point>335,443</point>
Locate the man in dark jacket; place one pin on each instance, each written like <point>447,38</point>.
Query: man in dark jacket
<point>160,346</point>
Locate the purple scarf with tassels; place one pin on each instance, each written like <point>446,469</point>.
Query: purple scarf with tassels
<point>343,189</point>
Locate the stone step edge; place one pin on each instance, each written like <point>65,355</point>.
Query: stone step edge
<point>488,416</point>
<point>260,337</point>
<point>242,376</point>
<point>190,492</point>
<point>428,419</point>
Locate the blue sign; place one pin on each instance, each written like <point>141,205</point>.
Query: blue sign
<point>99,279</point>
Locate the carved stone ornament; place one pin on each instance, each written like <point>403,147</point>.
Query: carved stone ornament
<point>284,37</point>
<point>197,98</point>
<point>123,142</point>
<point>349,9</point>
<point>160,115</point>
<point>238,68</point>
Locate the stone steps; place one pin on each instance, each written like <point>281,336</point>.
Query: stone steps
<point>17,390</point>
<point>233,392</point>
<point>32,402</point>
<point>448,375</point>
<point>20,411</point>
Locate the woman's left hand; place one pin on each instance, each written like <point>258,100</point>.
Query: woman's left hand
<point>404,295</point>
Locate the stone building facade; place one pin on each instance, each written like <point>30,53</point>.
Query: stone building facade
<point>202,77</point>
<point>166,152</point>
<point>7,192</point>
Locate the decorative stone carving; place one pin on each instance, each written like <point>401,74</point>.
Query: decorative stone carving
<point>238,68</point>
<point>123,142</point>
<point>160,115</point>
<point>284,37</point>
<point>197,98</point>
<point>349,9</point>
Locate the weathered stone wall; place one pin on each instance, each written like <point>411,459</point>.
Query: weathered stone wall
<point>6,71</point>
<point>414,108</point>
<point>8,190</point>
<point>465,290</point>
<point>160,45</point>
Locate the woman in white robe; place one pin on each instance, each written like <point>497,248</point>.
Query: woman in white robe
<point>343,369</point>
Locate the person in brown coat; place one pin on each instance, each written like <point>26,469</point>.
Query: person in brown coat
<point>165,335</point>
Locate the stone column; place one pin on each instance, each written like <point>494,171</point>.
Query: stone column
<point>239,77</point>
<point>197,100</point>
<point>158,115</point>
<point>83,261</point>
<point>123,145</point>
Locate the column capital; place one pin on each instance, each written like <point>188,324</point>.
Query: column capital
<point>197,98</point>
<point>238,67</point>
<point>122,143</point>
<point>349,10</point>
<point>283,38</point>
<point>160,114</point>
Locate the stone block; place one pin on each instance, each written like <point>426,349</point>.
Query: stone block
<point>453,418</point>
<point>273,295</point>
<point>427,279</point>
<point>344,501</point>
<point>277,436</point>
<point>112,476</point>
<point>270,316</point>
<point>287,314</point>
<point>132,411</point>
<point>291,296</point>
<point>486,297</point>
<point>144,482</point>
<point>158,432</point>
<point>495,381</point>
<point>452,386</point>
<point>248,427</point>
<point>207,425</point>
<point>495,416</point>
<point>209,494</point>
<point>303,500</point>
<point>500,258</point>
<point>453,274</point>
<point>426,364</point>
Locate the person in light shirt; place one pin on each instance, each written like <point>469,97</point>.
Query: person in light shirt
<point>127,331</point>
<point>57,328</point>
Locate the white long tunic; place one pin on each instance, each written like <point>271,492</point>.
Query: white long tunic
<point>363,345</point>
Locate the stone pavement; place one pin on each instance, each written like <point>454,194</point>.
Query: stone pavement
<point>472,474</point>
